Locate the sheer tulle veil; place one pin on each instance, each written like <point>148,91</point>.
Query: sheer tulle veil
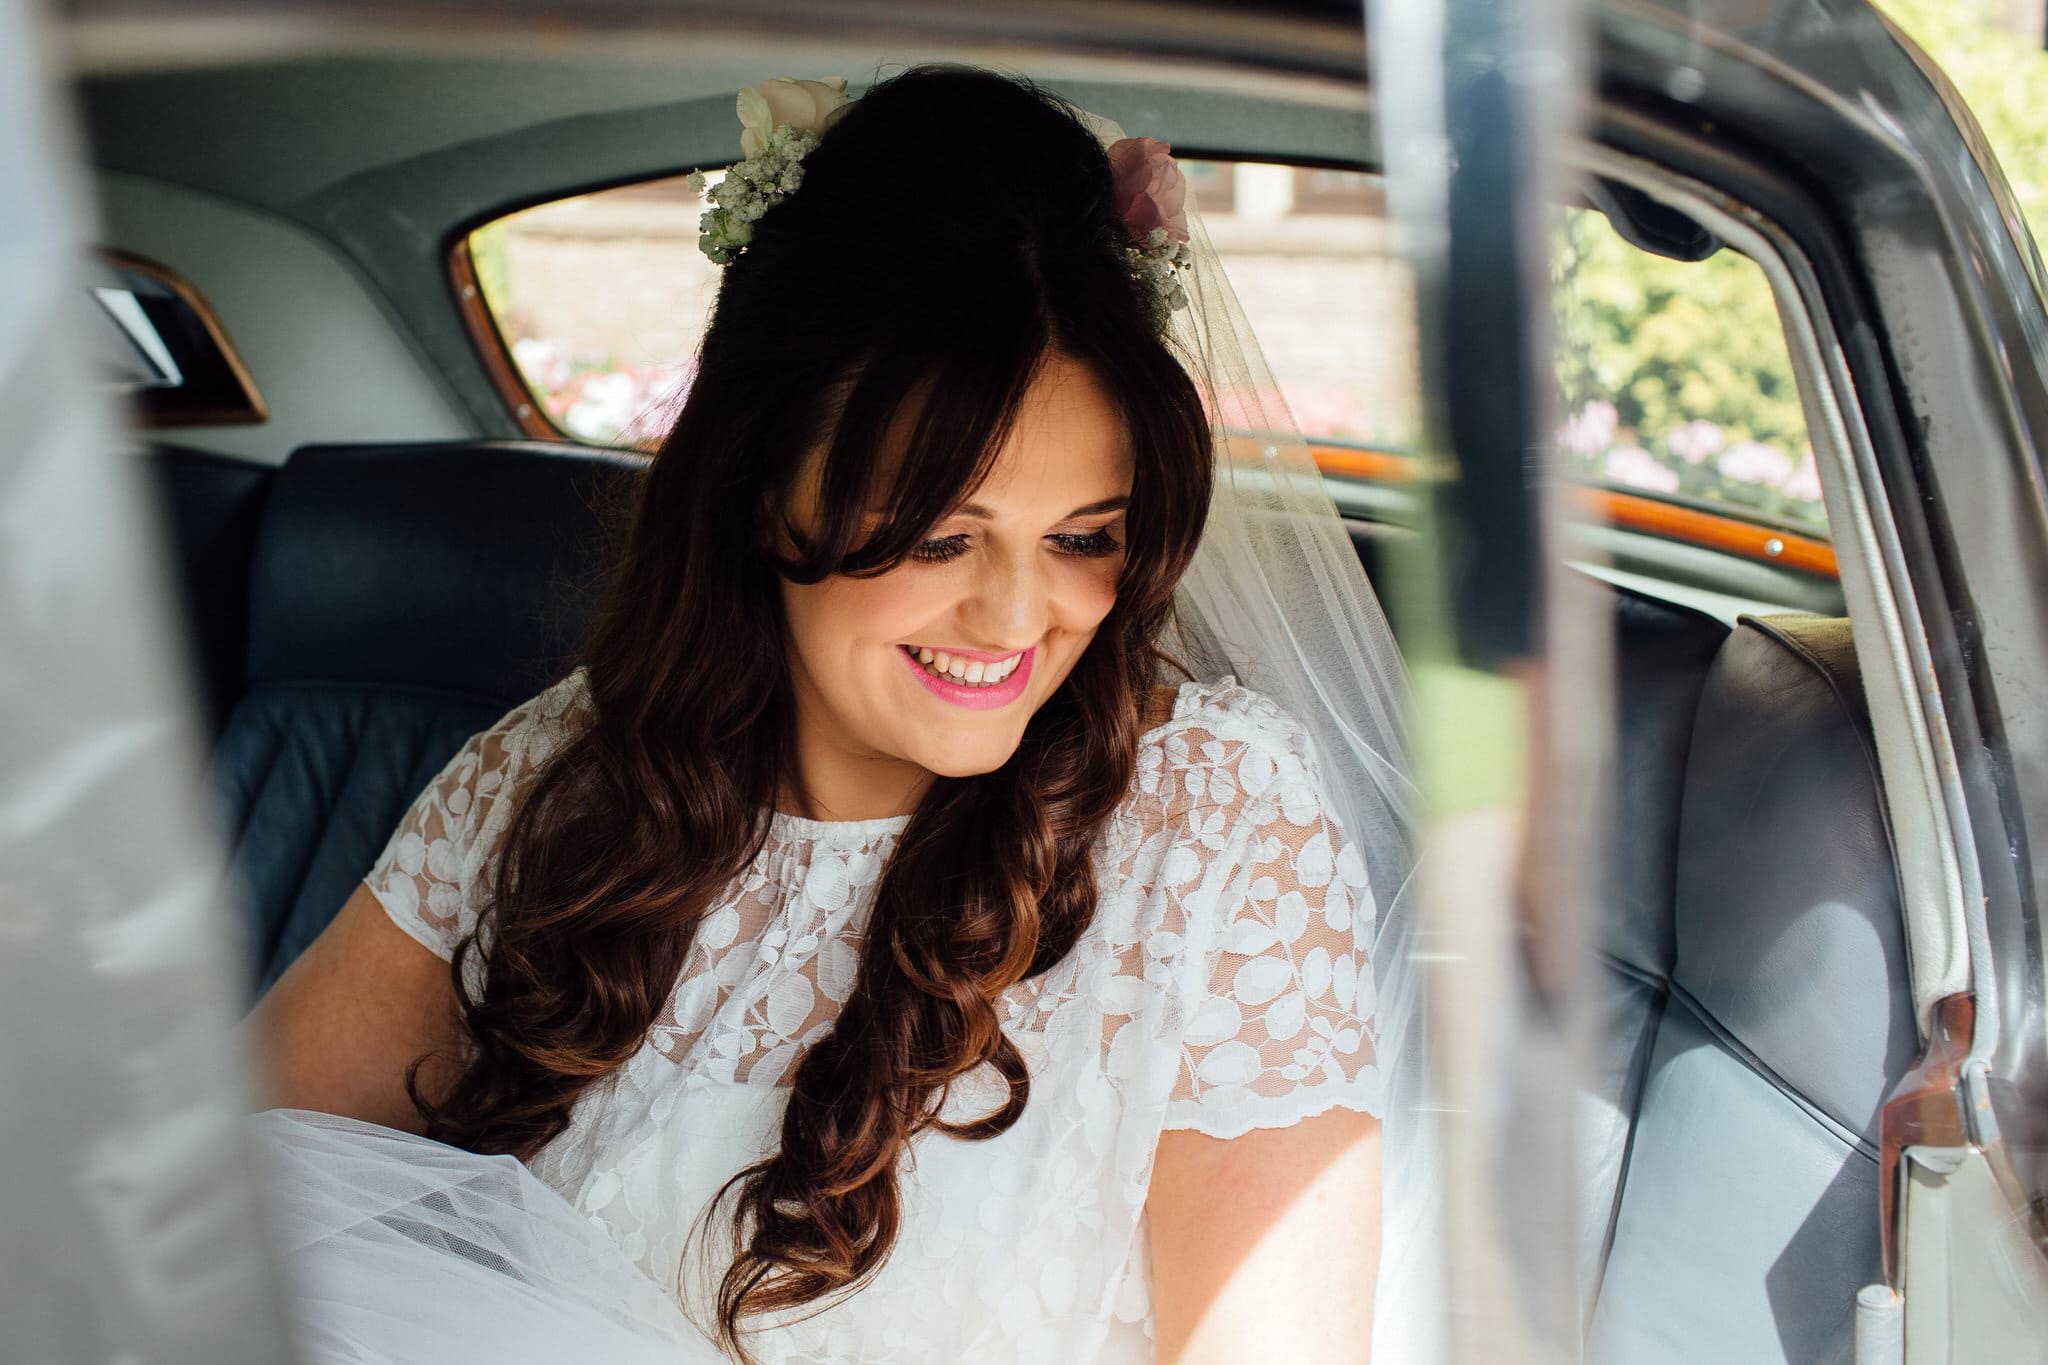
<point>1276,597</point>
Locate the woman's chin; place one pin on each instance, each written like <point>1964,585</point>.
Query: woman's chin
<point>966,755</point>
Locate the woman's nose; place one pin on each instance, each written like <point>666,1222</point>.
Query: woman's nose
<point>1010,604</point>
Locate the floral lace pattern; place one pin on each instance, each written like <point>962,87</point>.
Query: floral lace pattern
<point>1224,985</point>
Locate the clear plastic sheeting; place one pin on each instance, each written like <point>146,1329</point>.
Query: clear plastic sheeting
<point>1476,102</point>
<point>129,1233</point>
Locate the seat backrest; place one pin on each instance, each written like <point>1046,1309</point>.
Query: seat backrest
<point>209,508</point>
<point>1778,1013</point>
<point>1662,655</point>
<point>399,600</point>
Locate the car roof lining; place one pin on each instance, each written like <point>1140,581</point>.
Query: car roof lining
<point>266,133</point>
<point>394,204</point>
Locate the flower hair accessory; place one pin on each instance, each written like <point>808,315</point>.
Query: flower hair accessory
<point>781,120</point>
<point>784,118</point>
<point>1151,199</point>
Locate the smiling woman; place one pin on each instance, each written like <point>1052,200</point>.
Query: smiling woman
<point>1014,584</point>
<point>730,673</point>
<point>846,931</point>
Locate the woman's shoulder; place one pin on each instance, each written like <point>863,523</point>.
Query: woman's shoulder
<point>1225,747</point>
<point>544,719</point>
<point>426,875</point>
<point>1218,719</point>
<point>563,706</point>
<point>501,756</point>
<point>561,703</point>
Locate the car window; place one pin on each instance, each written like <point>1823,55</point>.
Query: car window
<point>599,299</point>
<point>158,344</point>
<point>1675,378</point>
<point>1311,258</point>
<point>1678,405</point>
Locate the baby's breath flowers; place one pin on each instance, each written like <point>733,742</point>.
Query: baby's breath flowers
<point>1156,261</point>
<point>750,189</point>
<point>781,120</point>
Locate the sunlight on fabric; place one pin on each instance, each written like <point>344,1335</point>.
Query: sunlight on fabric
<point>132,1229</point>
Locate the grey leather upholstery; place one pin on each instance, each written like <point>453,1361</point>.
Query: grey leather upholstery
<point>1768,1017</point>
<point>1662,656</point>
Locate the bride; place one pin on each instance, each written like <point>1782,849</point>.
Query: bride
<point>952,912</point>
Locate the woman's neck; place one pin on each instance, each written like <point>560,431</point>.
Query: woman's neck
<point>834,783</point>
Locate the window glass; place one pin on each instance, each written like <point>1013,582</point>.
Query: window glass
<point>1312,261</point>
<point>601,299</point>
<point>157,343</point>
<point>1676,380</point>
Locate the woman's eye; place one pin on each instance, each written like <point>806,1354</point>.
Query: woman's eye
<point>1094,545</point>
<point>941,549</point>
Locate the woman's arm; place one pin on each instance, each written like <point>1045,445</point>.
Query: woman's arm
<point>340,1027</point>
<point>1266,1246</point>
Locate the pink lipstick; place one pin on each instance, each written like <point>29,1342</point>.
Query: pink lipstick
<point>974,698</point>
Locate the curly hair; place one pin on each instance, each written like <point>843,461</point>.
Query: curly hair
<point>879,283</point>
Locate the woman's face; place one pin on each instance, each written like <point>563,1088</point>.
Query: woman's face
<point>1003,596</point>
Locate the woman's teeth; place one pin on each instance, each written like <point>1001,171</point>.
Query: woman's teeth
<point>971,672</point>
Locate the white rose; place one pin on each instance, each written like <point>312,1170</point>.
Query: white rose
<point>786,102</point>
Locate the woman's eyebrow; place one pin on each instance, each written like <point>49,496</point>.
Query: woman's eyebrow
<point>1117,503</point>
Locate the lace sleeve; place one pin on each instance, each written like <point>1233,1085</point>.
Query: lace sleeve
<point>418,878</point>
<point>1282,1026</point>
<point>427,877</point>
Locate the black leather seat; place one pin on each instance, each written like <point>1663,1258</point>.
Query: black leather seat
<point>1755,1004</point>
<point>211,509</point>
<point>398,599</point>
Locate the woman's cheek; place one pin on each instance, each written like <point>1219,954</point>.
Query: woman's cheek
<point>884,609</point>
<point>1093,590</point>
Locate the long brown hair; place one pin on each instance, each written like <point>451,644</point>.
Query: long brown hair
<point>952,230</point>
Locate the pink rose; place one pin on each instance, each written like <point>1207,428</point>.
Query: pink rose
<point>1150,192</point>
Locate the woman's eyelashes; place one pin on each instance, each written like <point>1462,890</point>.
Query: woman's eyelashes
<point>940,549</point>
<point>1096,544</point>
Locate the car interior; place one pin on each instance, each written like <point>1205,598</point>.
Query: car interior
<point>386,562</point>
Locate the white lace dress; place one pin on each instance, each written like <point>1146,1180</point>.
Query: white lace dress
<point>1224,985</point>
